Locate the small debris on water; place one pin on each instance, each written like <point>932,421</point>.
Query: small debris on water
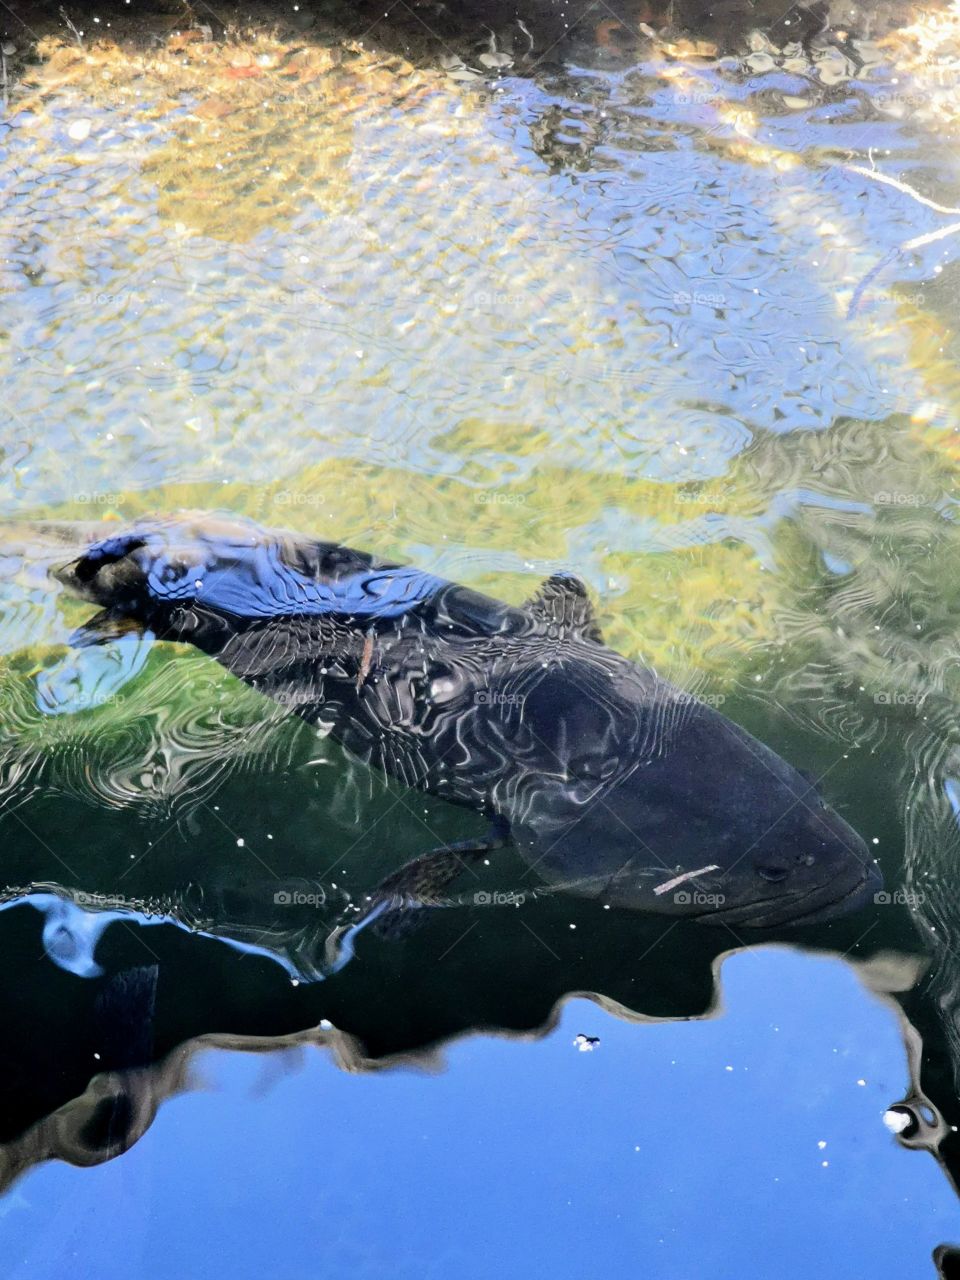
<point>687,875</point>
<point>896,1121</point>
<point>79,130</point>
<point>586,1044</point>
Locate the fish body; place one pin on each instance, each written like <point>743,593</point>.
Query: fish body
<point>611,781</point>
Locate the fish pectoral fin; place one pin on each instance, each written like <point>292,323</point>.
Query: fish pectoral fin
<point>395,907</point>
<point>421,882</point>
<point>104,628</point>
<point>563,599</point>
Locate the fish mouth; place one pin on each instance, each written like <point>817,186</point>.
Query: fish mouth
<point>66,575</point>
<point>801,908</point>
<point>77,585</point>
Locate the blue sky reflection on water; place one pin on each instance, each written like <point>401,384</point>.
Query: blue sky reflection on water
<point>648,1155</point>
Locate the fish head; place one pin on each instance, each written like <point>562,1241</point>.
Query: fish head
<point>156,567</point>
<point>176,575</point>
<point>652,799</point>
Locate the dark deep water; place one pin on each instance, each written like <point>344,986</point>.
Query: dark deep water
<point>662,298</point>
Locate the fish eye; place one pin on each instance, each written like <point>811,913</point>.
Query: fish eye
<point>171,572</point>
<point>772,873</point>
<point>110,551</point>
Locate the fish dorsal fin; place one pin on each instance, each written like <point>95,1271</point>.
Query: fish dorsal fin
<point>563,600</point>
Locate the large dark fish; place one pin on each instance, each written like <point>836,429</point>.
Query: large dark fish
<point>609,780</point>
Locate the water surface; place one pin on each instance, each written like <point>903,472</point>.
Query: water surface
<point>674,316</point>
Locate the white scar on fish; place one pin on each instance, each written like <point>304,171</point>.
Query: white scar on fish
<point>687,875</point>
